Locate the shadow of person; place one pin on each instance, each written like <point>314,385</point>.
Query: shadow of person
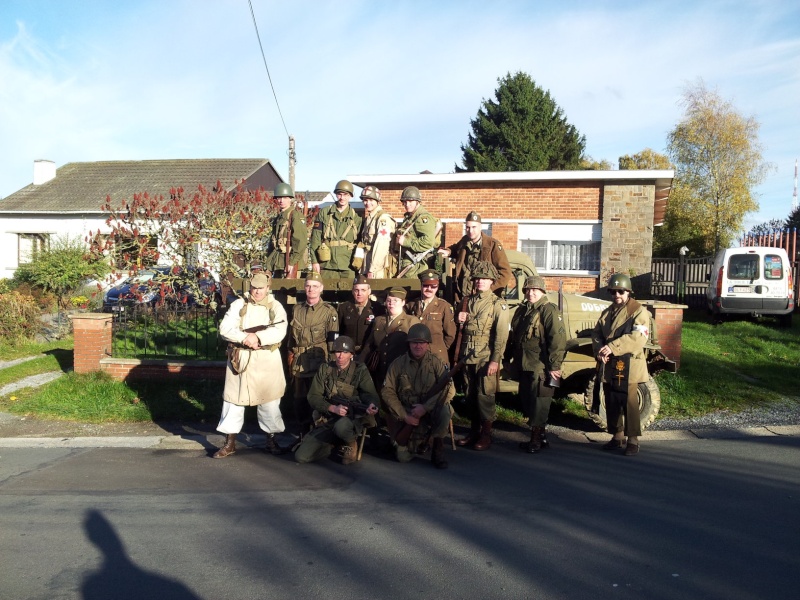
<point>118,577</point>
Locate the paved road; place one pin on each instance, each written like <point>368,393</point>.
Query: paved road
<point>687,518</point>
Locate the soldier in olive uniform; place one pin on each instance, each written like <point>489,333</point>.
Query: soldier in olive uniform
<point>436,313</point>
<point>618,342</point>
<point>356,316</point>
<point>375,238</point>
<point>387,340</point>
<point>476,246</point>
<point>416,234</point>
<point>408,380</point>
<point>289,233</point>
<point>314,326</point>
<point>334,235</point>
<point>536,348</point>
<point>483,343</point>
<point>348,382</point>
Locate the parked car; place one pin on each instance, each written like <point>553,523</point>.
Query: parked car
<point>162,286</point>
<point>751,280</point>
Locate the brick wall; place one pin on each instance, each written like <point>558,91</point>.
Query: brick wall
<point>129,369</point>
<point>92,333</point>
<point>669,327</point>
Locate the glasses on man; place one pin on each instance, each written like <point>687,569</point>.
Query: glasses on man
<point>617,292</point>
<point>430,285</point>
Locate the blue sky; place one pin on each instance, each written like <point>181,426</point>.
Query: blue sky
<point>378,87</point>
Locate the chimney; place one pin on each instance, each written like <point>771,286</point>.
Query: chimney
<point>43,171</point>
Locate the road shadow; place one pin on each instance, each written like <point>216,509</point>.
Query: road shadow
<point>120,578</point>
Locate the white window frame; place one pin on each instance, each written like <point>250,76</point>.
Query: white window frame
<point>549,233</point>
<point>29,244</point>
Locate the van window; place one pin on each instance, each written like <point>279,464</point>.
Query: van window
<point>773,266</point>
<point>743,266</point>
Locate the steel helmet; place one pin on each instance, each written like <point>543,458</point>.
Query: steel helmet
<point>484,270</point>
<point>419,333</point>
<point>411,193</point>
<point>536,283</point>
<point>371,191</point>
<point>283,190</point>
<point>344,186</point>
<point>619,281</point>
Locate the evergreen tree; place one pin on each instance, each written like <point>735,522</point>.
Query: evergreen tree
<point>523,129</point>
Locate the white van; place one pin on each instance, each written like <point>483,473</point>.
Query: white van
<point>751,280</point>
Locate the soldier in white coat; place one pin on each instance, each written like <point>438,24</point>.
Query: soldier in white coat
<point>254,327</point>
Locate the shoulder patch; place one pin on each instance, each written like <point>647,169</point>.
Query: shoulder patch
<point>424,219</point>
<point>499,246</point>
<point>317,224</point>
<point>504,306</point>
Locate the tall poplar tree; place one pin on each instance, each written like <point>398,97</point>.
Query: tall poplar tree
<point>522,129</point>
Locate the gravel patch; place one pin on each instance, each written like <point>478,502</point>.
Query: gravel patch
<point>783,412</point>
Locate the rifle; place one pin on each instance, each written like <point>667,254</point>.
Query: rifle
<point>289,271</point>
<point>439,388</point>
<point>462,307</point>
<point>354,408</point>
<point>598,387</point>
<point>415,260</point>
<point>255,329</point>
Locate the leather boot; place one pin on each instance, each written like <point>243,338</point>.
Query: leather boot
<point>485,439</point>
<point>350,452</point>
<point>535,444</point>
<point>473,436</point>
<point>545,443</point>
<point>229,447</point>
<point>272,446</point>
<point>437,454</point>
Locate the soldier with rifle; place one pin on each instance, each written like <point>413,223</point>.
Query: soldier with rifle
<point>618,342</point>
<point>254,327</point>
<point>288,241</point>
<point>344,400</point>
<point>415,238</point>
<point>417,394</point>
<point>334,235</point>
<point>485,332</point>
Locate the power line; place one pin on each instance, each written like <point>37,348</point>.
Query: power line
<point>253,14</point>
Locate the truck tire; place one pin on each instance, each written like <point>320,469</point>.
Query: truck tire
<point>649,403</point>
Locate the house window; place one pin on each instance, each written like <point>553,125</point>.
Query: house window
<point>558,247</point>
<point>30,245</point>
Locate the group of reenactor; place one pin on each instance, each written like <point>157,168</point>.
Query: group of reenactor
<point>395,364</point>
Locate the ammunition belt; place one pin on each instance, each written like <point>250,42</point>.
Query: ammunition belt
<point>335,243</point>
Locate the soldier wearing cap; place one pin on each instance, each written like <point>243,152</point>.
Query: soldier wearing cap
<point>334,235</point>
<point>483,343</point>
<point>387,339</point>
<point>314,326</point>
<point>405,390</point>
<point>416,235</point>
<point>254,327</point>
<point>476,246</point>
<point>435,313</point>
<point>336,390</point>
<point>375,238</point>
<point>357,316</point>
<point>289,235</point>
<point>536,349</point>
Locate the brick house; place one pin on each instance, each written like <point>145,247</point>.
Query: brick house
<point>577,226</point>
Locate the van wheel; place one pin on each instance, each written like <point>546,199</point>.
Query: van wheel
<point>785,320</point>
<point>649,402</point>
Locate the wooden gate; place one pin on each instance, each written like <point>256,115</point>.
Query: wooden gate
<point>681,280</point>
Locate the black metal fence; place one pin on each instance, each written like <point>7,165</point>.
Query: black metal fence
<point>164,332</point>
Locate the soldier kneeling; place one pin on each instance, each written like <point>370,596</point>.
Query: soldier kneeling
<point>417,394</point>
<point>345,401</point>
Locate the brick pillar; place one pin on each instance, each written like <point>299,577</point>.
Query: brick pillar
<point>669,326</point>
<point>92,332</point>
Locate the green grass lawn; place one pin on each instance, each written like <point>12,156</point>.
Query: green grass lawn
<point>736,365</point>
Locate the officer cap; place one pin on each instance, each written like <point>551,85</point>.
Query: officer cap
<point>397,292</point>
<point>473,216</point>
<point>313,276</point>
<point>343,344</point>
<point>360,279</point>
<point>484,270</point>
<point>535,282</point>
<point>259,280</point>
<point>419,332</point>
<point>429,276</point>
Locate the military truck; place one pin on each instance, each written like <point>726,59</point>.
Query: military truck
<point>580,316</point>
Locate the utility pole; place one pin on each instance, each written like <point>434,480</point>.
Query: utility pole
<point>794,195</point>
<point>292,161</point>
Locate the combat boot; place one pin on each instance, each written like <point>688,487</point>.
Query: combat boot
<point>437,454</point>
<point>473,436</point>
<point>545,443</point>
<point>350,453</point>
<point>229,447</point>
<point>535,444</point>
<point>272,446</point>
<point>485,440</point>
